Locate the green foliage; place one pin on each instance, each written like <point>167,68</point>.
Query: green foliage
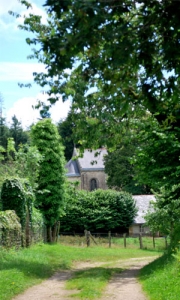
<point>4,132</point>
<point>27,162</point>
<point>137,67</point>
<point>100,210</point>
<point>37,218</point>
<point>9,220</point>
<point>18,196</point>
<point>121,172</point>
<point>165,213</point>
<point>23,163</point>
<point>65,129</point>
<point>16,132</point>
<point>51,178</point>
<point>155,164</point>
<point>155,161</point>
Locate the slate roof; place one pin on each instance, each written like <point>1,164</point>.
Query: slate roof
<point>72,168</point>
<point>89,162</point>
<point>142,204</point>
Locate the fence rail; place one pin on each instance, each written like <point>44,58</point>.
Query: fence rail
<point>109,239</point>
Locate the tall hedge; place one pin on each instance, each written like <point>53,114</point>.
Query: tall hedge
<point>51,179</point>
<point>99,211</point>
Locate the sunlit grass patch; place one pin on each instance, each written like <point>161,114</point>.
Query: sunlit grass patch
<point>161,278</point>
<point>91,283</point>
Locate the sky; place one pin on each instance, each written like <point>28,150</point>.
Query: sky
<point>16,68</point>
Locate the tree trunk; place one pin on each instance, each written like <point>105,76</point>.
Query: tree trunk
<point>49,234</point>
<point>54,232</point>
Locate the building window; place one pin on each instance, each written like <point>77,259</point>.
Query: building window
<point>93,184</point>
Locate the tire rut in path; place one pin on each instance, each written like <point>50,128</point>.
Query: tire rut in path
<point>122,286</point>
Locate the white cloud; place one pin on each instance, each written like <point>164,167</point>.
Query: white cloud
<point>8,22</point>
<point>13,5</point>
<point>27,115</point>
<point>10,71</point>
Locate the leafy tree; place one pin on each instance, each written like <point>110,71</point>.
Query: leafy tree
<point>7,164</point>
<point>23,163</point>
<point>65,129</point>
<point>17,133</point>
<point>100,210</point>
<point>50,196</point>
<point>155,161</point>
<point>27,162</point>
<point>138,65</point>
<point>121,173</point>
<point>4,132</point>
<point>164,215</point>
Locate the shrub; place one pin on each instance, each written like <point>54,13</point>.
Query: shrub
<point>100,210</point>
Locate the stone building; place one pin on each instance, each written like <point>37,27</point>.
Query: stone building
<point>88,170</point>
<point>143,206</point>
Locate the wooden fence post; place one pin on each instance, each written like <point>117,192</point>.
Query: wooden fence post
<point>109,238</point>
<point>124,236</point>
<point>140,241</point>
<point>154,245</point>
<point>88,238</point>
<point>87,235</point>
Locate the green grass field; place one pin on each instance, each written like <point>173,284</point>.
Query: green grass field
<point>26,267</point>
<point>20,269</point>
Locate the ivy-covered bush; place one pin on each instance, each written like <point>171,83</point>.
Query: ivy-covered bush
<point>18,196</point>
<point>98,211</point>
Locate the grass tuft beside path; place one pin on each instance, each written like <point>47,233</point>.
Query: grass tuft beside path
<point>161,278</point>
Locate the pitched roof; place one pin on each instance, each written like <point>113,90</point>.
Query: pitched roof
<point>92,160</point>
<point>72,168</point>
<point>143,205</point>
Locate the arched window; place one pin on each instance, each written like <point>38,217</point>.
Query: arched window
<point>93,184</point>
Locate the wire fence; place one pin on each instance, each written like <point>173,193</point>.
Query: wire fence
<point>108,239</point>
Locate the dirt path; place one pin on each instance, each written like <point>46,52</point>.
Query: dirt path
<point>121,286</point>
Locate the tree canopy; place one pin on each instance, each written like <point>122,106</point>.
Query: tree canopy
<point>122,55</point>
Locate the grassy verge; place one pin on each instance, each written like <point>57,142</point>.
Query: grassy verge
<point>161,278</point>
<point>27,267</point>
